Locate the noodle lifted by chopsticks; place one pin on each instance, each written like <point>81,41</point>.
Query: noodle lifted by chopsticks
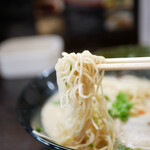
<point>88,124</point>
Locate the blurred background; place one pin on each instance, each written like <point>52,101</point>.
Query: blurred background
<point>84,24</point>
<point>33,33</point>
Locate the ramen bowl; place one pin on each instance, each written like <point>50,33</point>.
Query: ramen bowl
<point>43,87</point>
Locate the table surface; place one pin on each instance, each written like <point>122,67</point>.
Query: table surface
<point>13,136</point>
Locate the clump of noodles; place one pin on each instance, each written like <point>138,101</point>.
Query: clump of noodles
<point>88,124</point>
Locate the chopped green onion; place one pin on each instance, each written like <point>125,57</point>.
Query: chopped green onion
<point>94,117</point>
<point>39,129</point>
<point>122,96</point>
<point>119,146</point>
<point>106,97</point>
<point>91,145</point>
<point>122,147</point>
<point>70,67</point>
<point>121,107</point>
<point>95,120</point>
<point>56,102</point>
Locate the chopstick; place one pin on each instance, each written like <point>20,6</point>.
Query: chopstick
<point>128,60</point>
<point>124,66</point>
<point>136,63</point>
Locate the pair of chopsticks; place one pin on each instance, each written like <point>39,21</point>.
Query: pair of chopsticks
<point>134,63</point>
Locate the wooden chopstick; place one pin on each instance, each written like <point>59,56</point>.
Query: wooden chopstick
<point>124,66</point>
<point>134,63</point>
<point>128,60</point>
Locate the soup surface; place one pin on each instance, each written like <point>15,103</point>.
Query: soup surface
<point>132,128</point>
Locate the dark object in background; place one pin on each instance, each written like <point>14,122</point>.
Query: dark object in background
<point>107,24</point>
<point>82,27</point>
<point>82,20</point>
<point>16,18</point>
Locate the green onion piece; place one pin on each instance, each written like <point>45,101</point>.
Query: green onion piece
<point>39,129</point>
<point>70,67</point>
<point>121,107</point>
<point>56,102</point>
<point>91,145</point>
<point>122,147</point>
<point>94,117</point>
<point>106,97</point>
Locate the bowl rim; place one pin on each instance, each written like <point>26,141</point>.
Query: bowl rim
<point>48,72</point>
<point>27,126</point>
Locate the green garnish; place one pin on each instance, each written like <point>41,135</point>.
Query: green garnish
<point>91,145</point>
<point>39,129</point>
<point>94,117</point>
<point>56,102</point>
<point>106,97</point>
<point>121,107</point>
<point>70,67</point>
<point>122,147</point>
<point>66,83</point>
<point>119,146</point>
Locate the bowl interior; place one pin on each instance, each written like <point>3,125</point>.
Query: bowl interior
<point>36,93</point>
<point>31,101</point>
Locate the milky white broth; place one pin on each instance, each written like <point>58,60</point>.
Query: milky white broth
<point>135,133</point>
